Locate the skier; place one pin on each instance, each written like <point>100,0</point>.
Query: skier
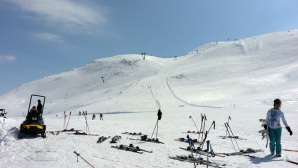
<point>159,114</point>
<point>101,116</point>
<point>39,107</point>
<point>80,113</point>
<point>93,117</point>
<point>274,128</point>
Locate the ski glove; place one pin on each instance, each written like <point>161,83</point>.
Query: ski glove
<point>290,131</point>
<point>265,126</point>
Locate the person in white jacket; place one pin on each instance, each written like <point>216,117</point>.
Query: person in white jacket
<point>274,128</point>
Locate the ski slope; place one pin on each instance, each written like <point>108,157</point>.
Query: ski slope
<point>220,79</point>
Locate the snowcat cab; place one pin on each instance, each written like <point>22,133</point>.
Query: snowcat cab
<point>34,123</point>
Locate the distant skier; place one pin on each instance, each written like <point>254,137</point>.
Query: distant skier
<point>101,116</point>
<point>80,113</point>
<point>83,113</point>
<point>274,128</point>
<point>159,114</point>
<point>39,107</point>
<point>93,117</point>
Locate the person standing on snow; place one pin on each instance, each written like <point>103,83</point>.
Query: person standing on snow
<point>274,128</point>
<point>39,107</point>
<point>159,114</point>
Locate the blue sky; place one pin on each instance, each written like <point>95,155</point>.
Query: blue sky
<point>44,37</point>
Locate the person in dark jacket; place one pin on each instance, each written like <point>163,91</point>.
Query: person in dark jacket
<point>159,114</point>
<point>39,107</point>
<point>32,113</point>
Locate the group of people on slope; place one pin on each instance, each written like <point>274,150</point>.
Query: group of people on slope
<point>100,115</point>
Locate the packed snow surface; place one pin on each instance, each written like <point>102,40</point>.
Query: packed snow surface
<point>239,79</point>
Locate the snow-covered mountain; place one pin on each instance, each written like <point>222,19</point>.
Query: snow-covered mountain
<point>218,74</point>
<point>239,79</point>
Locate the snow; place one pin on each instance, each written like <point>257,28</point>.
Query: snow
<point>220,79</point>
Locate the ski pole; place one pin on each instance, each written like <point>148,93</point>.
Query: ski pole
<point>64,120</point>
<point>230,137</point>
<point>233,135</point>
<point>78,155</point>
<point>228,123</point>
<point>202,143</point>
<point>191,145</point>
<point>213,123</point>
<point>154,128</point>
<point>211,151</point>
<point>87,126</point>
<point>201,126</point>
<point>204,124</point>
<point>68,120</point>
<point>208,143</point>
<point>194,123</point>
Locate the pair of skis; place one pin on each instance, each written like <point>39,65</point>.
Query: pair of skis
<point>131,148</point>
<point>132,133</point>
<point>149,140</point>
<point>231,134</point>
<point>242,152</point>
<point>102,139</point>
<point>199,151</point>
<point>83,133</point>
<point>196,161</point>
<point>264,132</point>
<point>194,141</point>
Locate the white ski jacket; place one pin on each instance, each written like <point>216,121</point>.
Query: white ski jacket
<point>273,118</point>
